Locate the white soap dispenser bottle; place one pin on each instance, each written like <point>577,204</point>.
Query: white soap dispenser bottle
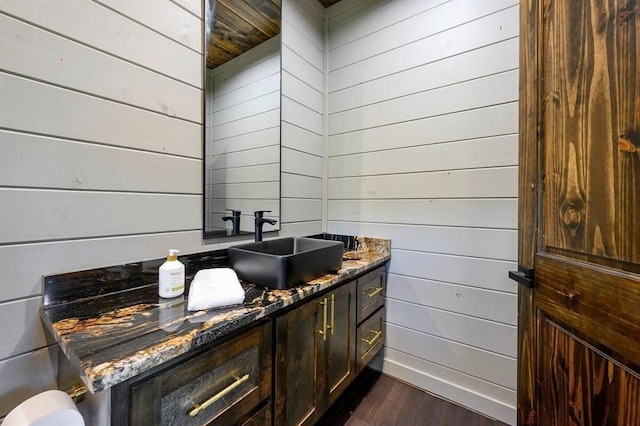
<point>171,276</point>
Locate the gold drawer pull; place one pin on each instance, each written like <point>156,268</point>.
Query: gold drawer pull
<point>333,313</point>
<point>370,293</point>
<point>323,332</point>
<point>376,336</point>
<point>197,408</point>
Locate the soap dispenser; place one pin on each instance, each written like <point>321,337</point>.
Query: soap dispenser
<point>171,276</point>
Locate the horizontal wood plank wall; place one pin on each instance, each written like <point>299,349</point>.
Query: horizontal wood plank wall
<point>422,149</point>
<point>302,116</point>
<point>101,123</point>
<point>242,138</point>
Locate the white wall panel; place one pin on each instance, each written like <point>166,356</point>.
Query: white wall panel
<point>298,186</point>
<point>444,72</point>
<point>301,163</point>
<point>490,29</point>
<point>301,115</point>
<point>300,139</point>
<point>497,369</point>
<point>477,212</point>
<point>40,215</point>
<point>476,123</point>
<point>301,92</point>
<point>35,107</point>
<point>471,301</point>
<point>296,65</point>
<point>492,90</point>
<point>69,64</point>
<point>422,149</point>
<point>97,26</point>
<point>26,330</point>
<point>427,22</point>
<point>471,271</point>
<point>479,333</point>
<point>301,210</point>
<point>369,16</point>
<point>299,43</point>
<point>487,152</point>
<point>65,164</point>
<point>486,183</point>
<point>188,33</point>
<point>261,138</point>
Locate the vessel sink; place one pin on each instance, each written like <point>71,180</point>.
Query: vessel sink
<point>285,262</point>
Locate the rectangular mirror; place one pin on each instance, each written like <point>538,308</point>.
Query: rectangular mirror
<point>242,100</point>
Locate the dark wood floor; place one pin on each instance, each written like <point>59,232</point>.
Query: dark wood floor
<point>375,399</point>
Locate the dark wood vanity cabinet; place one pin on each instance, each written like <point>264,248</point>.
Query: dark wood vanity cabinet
<point>315,356</point>
<point>320,346</point>
<point>229,383</point>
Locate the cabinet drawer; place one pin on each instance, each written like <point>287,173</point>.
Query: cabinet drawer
<point>219,387</point>
<point>370,339</point>
<point>371,291</point>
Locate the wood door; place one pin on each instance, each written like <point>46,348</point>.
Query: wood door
<point>579,215</point>
<point>299,370</point>
<point>340,356</point>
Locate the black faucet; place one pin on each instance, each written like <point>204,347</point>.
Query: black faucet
<point>261,221</point>
<point>235,221</point>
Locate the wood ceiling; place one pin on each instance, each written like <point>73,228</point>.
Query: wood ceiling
<point>239,26</point>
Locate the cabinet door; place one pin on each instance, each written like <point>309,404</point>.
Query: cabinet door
<point>299,374</point>
<point>340,344</point>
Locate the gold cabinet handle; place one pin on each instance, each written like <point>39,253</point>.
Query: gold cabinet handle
<point>377,334</point>
<point>333,313</point>
<point>324,320</point>
<point>197,408</point>
<point>370,293</point>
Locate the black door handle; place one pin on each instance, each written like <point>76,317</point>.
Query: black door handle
<point>523,276</point>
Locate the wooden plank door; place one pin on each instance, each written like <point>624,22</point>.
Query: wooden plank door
<point>579,216</point>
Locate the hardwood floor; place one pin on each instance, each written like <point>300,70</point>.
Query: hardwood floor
<point>375,399</point>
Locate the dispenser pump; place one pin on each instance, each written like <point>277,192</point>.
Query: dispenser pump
<point>173,255</point>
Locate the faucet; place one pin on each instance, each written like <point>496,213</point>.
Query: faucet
<point>261,221</point>
<point>235,221</point>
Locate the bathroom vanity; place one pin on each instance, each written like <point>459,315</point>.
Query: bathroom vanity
<point>283,357</point>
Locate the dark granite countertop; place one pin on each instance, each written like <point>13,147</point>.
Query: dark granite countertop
<point>112,325</point>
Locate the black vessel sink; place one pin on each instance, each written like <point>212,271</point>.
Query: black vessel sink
<point>285,262</point>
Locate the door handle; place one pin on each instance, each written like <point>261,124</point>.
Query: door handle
<point>523,276</point>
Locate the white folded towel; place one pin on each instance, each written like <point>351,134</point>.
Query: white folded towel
<point>214,288</point>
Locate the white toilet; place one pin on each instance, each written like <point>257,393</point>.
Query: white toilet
<point>50,408</point>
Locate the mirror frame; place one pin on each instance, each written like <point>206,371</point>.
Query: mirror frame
<point>215,235</point>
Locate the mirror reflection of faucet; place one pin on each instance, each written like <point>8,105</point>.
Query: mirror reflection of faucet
<point>259,221</point>
<point>235,221</point>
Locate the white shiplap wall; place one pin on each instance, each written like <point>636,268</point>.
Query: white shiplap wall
<point>101,142</point>
<point>422,149</point>
<point>302,116</point>
<point>242,138</point>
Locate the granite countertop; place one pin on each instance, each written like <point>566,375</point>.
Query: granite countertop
<point>113,329</point>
